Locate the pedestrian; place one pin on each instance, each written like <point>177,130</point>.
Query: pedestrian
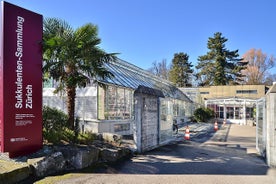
<point>175,126</point>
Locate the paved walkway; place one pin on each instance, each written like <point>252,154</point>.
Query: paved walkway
<point>243,136</point>
<point>236,136</point>
<point>231,135</point>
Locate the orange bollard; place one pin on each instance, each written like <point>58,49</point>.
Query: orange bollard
<point>187,133</point>
<point>216,126</point>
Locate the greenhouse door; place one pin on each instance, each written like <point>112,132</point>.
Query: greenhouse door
<point>146,126</point>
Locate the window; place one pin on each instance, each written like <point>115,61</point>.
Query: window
<point>246,91</point>
<point>230,112</point>
<point>204,92</point>
<point>178,108</point>
<point>116,103</point>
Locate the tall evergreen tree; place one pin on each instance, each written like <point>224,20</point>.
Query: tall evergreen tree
<point>181,70</point>
<point>219,66</point>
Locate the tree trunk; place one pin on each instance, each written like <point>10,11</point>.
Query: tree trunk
<point>71,95</point>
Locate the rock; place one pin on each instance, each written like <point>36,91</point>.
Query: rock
<point>109,155</point>
<point>85,158</point>
<point>109,137</point>
<point>14,173</point>
<point>59,158</point>
<point>112,155</point>
<point>47,165</point>
<point>79,157</point>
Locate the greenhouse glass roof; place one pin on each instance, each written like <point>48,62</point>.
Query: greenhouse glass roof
<point>130,76</point>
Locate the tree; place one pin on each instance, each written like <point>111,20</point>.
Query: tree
<point>270,79</point>
<point>219,66</point>
<point>160,69</point>
<point>73,58</point>
<point>259,63</point>
<point>181,70</point>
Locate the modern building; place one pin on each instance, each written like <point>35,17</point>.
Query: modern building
<point>235,103</point>
<point>244,104</point>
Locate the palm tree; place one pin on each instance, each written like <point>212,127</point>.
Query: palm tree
<point>72,58</point>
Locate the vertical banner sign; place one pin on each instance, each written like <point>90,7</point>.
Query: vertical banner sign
<point>20,80</point>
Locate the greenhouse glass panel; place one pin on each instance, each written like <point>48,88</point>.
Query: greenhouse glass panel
<point>129,114</point>
<point>118,103</point>
<point>182,108</point>
<point>175,108</point>
<point>111,103</point>
<point>166,116</point>
<point>101,103</point>
<point>121,106</point>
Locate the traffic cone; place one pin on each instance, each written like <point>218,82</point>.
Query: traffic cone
<point>216,126</point>
<point>187,133</point>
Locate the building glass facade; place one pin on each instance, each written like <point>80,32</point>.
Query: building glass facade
<point>235,110</point>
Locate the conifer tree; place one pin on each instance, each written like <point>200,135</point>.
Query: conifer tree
<point>219,66</point>
<point>180,72</point>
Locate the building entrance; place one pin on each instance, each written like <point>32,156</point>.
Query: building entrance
<point>234,110</point>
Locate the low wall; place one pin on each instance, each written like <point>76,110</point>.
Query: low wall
<point>121,127</point>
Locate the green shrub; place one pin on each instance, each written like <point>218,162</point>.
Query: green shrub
<point>53,119</point>
<point>55,129</point>
<point>203,114</point>
<point>54,124</point>
<point>86,138</point>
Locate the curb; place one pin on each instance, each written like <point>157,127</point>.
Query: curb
<point>14,172</point>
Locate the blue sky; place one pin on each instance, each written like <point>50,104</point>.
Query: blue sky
<point>144,31</point>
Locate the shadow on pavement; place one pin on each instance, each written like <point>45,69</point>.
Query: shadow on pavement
<point>190,159</point>
<point>208,152</point>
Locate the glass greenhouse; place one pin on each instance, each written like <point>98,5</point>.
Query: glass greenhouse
<point>108,105</point>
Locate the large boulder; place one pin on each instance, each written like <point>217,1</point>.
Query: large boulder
<point>113,155</point>
<point>79,157</point>
<point>46,165</point>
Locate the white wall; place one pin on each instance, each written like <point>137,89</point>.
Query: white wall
<point>271,127</point>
